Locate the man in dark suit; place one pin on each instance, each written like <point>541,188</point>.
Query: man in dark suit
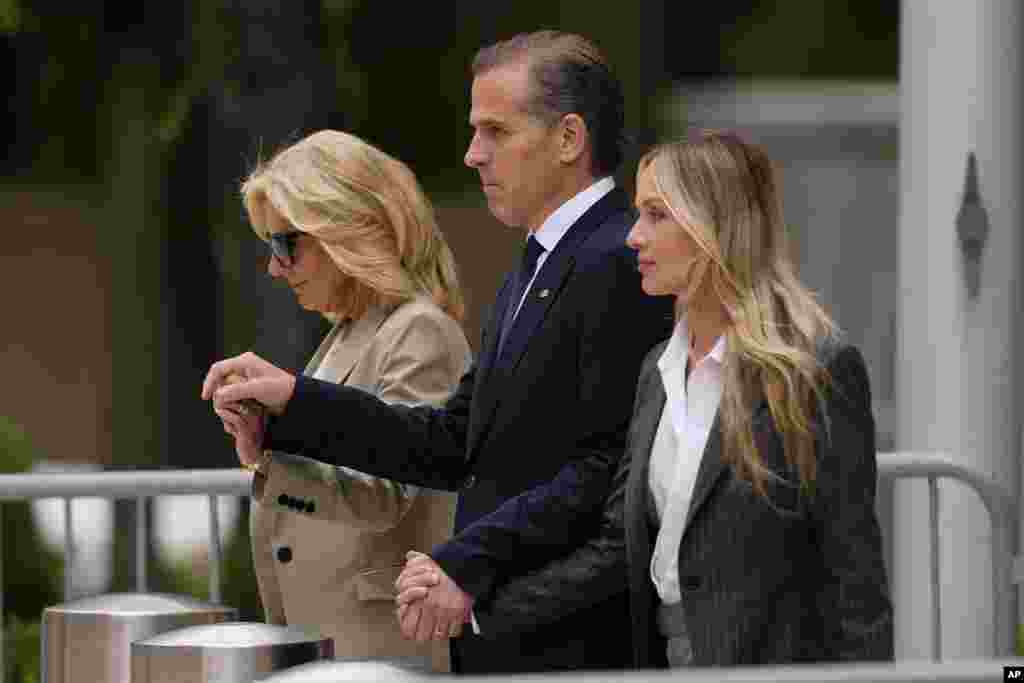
<point>533,434</point>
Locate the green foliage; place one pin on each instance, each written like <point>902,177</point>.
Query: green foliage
<point>844,39</point>
<point>10,16</point>
<point>22,651</point>
<point>16,453</point>
<point>31,573</point>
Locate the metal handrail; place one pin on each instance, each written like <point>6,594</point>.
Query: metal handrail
<point>138,485</point>
<point>1001,508</point>
<point>142,484</point>
<point>133,484</point>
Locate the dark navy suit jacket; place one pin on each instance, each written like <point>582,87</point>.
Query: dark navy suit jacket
<point>530,440</point>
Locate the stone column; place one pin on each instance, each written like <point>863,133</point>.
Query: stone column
<point>957,374</point>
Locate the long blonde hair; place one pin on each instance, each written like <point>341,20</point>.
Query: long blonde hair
<point>723,191</point>
<point>369,214</point>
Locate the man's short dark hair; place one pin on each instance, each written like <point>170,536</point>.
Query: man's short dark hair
<point>568,75</point>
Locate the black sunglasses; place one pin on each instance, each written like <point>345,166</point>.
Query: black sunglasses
<point>282,246</point>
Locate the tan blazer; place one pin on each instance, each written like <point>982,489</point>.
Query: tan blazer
<point>329,542</point>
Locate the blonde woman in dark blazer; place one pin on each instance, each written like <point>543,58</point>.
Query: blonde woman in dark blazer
<point>352,234</point>
<point>742,516</point>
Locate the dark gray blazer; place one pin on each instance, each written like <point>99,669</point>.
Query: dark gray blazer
<point>798,577</point>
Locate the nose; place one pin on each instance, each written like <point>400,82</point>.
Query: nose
<point>475,157</point>
<point>635,239</point>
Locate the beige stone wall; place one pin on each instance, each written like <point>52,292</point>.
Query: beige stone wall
<point>484,251</point>
<point>55,357</point>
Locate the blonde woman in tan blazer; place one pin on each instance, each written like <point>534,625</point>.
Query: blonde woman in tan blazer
<point>352,234</point>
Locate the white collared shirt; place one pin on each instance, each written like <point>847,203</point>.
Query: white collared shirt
<point>554,227</point>
<point>690,409</point>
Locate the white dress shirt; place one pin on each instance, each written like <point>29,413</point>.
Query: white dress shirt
<point>554,227</point>
<point>690,409</point>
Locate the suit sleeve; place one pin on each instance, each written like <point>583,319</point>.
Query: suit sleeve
<point>855,602</point>
<point>617,325</point>
<point>590,574</point>
<point>412,444</point>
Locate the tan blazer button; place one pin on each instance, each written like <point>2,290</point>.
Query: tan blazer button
<point>284,555</point>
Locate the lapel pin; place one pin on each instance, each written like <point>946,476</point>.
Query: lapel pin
<point>544,293</point>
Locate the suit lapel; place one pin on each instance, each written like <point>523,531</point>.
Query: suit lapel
<point>489,350</point>
<point>551,279</point>
<point>344,346</point>
<point>646,418</point>
<point>553,275</point>
<point>711,468</point>
<point>538,301</point>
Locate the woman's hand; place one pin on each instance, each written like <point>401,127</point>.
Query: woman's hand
<point>246,426</point>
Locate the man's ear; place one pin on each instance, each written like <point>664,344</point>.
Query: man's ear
<point>572,138</point>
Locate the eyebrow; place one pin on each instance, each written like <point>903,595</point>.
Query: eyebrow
<point>486,121</point>
<point>651,201</point>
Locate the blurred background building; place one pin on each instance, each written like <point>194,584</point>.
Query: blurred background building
<point>129,266</point>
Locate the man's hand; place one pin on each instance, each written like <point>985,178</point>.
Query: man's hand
<point>430,605</point>
<point>267,384</point>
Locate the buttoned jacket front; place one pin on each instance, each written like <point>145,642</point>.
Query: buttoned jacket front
<point>328,542</point>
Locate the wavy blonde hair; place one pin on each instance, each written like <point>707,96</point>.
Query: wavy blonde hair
<point>724,192</point>
<point>369,214</point>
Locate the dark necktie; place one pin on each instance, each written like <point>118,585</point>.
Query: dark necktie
<point>522,278</point>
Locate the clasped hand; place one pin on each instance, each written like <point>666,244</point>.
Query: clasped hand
<point>234,384</point>
<point>431,606</point>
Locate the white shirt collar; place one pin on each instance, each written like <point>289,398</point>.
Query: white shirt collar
<point>558,223</point>
<point>675,354</point>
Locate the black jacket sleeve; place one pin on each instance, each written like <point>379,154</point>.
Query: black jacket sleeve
<point>855,602</point>
<point>592,573</point>
<point>349,427</point>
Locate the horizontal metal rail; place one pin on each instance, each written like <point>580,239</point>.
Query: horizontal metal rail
<point>143,484</point>
<point>134,484</point>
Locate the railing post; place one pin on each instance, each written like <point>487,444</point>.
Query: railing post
<point>933,524</point>
<point>1002,580</point>
<point>69,549</point>
<point>3,629</point>
<point>215,551</point>
<point>141,534</point>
